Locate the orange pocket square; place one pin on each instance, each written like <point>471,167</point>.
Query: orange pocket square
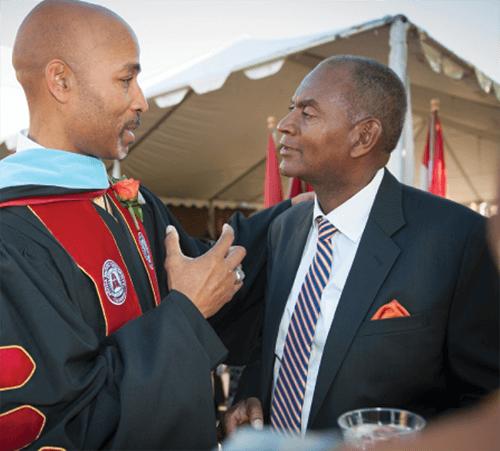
<point>392,309</point>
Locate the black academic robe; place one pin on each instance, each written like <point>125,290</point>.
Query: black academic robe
<point>145,386</point>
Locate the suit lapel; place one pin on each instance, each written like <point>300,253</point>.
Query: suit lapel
<point>374,259</point>
<point>288,246</point>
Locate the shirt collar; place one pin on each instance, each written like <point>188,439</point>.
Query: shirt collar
<point>351,217</point>
<point>25,143</point>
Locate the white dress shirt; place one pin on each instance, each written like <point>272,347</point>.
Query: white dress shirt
<point>350,219</point>
<point>25,143</point>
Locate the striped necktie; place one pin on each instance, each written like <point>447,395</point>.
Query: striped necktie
<point>288,396</point>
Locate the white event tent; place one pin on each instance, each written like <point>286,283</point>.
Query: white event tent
<point>203,141</point>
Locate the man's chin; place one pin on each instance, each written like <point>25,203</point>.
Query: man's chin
<point>122,155</point>
<point>119,155</point>
<point>121,152</point>
<point>288,170</point>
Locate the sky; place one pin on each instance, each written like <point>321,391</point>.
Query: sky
<point>173,32</point>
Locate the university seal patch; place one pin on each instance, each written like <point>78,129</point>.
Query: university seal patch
<point>145,249</point>
<point>114,282</point>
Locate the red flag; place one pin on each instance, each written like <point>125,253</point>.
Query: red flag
<point>295,187</point>
<point>438,182</point>
<point>272,182</point>
<point>433,170</point>
<point>426,167</point>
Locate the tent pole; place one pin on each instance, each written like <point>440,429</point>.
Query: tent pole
<point>398,55</point>
<point>408,153</point>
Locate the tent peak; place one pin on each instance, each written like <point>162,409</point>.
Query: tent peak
<point>400,17</point>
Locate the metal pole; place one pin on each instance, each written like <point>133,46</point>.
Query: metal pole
<point>398,55</point>
<point>408,141</point>
<point>432,145</point>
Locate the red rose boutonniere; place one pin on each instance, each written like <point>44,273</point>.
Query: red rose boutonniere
<point>127,192</point>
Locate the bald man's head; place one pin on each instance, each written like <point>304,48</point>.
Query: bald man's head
<point>68,30</point>
<point>78,64</point>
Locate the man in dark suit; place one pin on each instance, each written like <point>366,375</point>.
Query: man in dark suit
<point>378,294</point>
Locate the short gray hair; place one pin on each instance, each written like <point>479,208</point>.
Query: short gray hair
<point>377,92</point>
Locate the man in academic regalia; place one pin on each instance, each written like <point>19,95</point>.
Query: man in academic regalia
<point>104,340</point>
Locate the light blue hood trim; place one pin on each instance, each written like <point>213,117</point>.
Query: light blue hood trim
<point>50,167</point>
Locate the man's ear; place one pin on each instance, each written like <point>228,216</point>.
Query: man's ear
<point>366,134</point>
<point>59,79</point>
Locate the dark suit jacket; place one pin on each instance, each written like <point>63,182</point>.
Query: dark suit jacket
<point>431,255</point>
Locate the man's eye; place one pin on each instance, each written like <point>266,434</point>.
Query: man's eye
<point>306,114</point>
<point>126,81</point>
<point>291,107</point>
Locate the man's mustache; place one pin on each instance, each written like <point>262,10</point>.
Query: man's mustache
<point>133,124</point>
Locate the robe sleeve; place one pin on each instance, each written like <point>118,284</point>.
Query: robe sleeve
<point>239,322</point>
<point>145,386</point>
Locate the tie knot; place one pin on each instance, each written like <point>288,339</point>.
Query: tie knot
<point>325,228</point>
